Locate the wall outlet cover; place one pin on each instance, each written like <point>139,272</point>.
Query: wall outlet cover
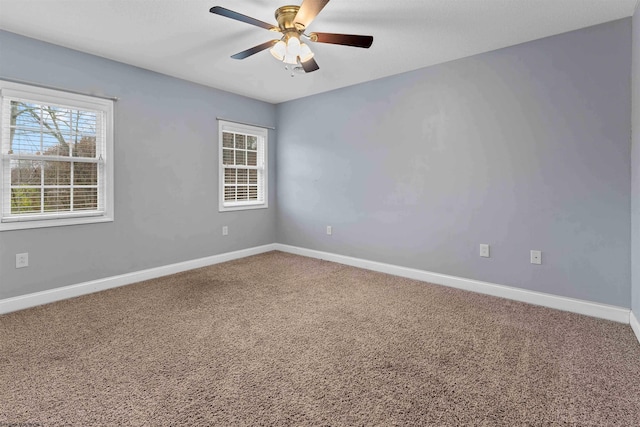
<point>22,260</point>
<point>536,257</point>
<point>484,251</point>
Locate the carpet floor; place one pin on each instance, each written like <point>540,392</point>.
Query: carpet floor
<point>279,339</point>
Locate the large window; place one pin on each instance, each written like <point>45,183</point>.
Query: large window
<point>56,157</point>
<point>243,166</point>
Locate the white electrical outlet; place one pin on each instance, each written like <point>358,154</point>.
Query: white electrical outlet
<point>225,230</point>
<point>329,230</point>
<point>536,257</point>
<point>484,250</point>
<point>22,260</point>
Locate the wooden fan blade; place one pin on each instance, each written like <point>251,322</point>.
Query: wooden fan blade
<point>310,65</point>
<point>218,10</point>
<point>254,50</point>
<point>309,9</point>
<point>343,39</point>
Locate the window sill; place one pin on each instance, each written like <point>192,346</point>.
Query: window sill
<point>25,225</point>
<point>242,207</point>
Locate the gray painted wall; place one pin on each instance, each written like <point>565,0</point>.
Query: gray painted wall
<point>166,206</point>
<point>635,166</point>
<point>523,148</point>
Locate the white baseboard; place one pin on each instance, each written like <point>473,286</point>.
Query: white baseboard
<point>38,298</point>
<point>635,325</point>
<point>603,311</point>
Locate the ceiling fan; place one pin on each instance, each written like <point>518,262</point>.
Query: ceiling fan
<point>292,23</point>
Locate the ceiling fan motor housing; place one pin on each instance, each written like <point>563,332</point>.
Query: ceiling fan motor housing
<point>285,16</point>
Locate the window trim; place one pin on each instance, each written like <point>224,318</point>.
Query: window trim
<point>71,99</point>
<point>263,134</point>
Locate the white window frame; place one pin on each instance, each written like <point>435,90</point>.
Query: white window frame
<point>28,93</point>
<point>262,135</point>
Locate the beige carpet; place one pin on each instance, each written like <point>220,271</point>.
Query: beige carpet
<point>278,339</point>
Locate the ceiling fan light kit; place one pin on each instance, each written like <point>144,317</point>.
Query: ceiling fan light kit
<point>292,51</point>
<point>292,22</point>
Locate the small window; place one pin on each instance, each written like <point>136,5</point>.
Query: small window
<point>56,152</point>
<point>243,166</point>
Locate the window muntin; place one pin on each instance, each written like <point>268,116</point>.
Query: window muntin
<point>243,180</point>
<point>55,157</point>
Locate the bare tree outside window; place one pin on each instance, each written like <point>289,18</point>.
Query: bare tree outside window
<point>63,138</point>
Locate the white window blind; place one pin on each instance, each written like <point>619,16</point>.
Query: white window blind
<point>243,172</point>
<point>55,150</point>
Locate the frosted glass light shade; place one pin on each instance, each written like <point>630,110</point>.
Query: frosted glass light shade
<point>293,46</point>
<point>291,59</point>
<point>305,53</point>
<point>279,50</point>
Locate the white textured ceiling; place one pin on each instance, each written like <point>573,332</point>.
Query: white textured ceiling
<point>182,39</point>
